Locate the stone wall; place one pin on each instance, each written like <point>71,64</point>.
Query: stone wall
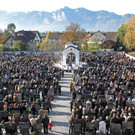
<point>131,57</point>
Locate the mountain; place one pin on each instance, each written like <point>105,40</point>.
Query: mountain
<point>58,20</point>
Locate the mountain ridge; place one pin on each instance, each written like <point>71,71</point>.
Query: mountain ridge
<point>58,20</point>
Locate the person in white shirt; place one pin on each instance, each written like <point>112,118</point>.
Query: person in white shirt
<point>88,103</point>
<point>133,101</point>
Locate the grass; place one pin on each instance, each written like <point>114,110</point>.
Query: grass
<point>133,55</point>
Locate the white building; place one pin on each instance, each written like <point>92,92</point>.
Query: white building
<point>97,37</point>
<point>71,54</point>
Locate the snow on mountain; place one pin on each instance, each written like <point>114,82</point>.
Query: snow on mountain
<point>58,20</point>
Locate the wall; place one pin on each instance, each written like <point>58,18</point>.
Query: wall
<point>32,46</point>
<point>108,50</point>
<point>31,52</point>
<point>131,57</point>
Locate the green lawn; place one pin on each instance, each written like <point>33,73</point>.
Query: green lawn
<point>133,55</point>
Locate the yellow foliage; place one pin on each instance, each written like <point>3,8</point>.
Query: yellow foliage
<point>3,37</point>
<point>129,38</point>
<point>74,33</point>
<point>46,38</point>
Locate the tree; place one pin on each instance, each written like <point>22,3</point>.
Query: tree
<point>94,46</point>
<point>85,46</point>
<point>19,45</point>
<point>23,47</point>
<point>1,47</point>
<point>3,37</point>
<point>74,33</point>
<point>46,45</point>
<point>121,34</point>
<point>129,38</point>
<point>10,29</point>
<point>57,46</point>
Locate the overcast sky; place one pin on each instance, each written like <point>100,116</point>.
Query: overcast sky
<point>117,6</point>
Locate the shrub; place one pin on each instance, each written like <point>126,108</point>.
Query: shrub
<point>6,49</point>
<point>14,49</point>
<point>34,133</point>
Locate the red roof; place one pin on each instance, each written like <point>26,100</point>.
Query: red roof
<point>87,36</point>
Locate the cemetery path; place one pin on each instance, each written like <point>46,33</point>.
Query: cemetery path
<point>61,108</point>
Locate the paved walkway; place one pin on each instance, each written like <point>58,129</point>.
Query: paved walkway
<point>61,108</point>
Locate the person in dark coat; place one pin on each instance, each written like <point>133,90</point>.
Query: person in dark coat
<point>33,109</point>
<point>114,119</point>
<point>45,122</point>
<point>59,88</point>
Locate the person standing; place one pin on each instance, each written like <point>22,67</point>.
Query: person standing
<point>71,86</point>
<point>50,125</point>
<point>45,122</point>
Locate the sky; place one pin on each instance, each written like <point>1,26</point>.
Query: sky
<point>120,7</point>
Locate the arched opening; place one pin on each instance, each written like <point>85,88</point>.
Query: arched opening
<point>70,58</point>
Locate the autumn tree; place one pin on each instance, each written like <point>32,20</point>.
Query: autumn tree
<point>3,37</point>
<point>1,47</point>
<point>129,38</point>
<point>74,33</point>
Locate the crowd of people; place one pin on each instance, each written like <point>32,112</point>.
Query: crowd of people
<point>104,92</point>
<point>28,84</point>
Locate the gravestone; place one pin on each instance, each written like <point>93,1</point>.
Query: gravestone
<point>88,97</point>
<point>90,127</point>
<point>46,105</point>
<point>115,129</point>
<point>102,127</point>
<point>108,97</point>
<point>110,105</point>
<point>101,97</point>
<point>34,91</point>
<point>10,127</point>
<point>19,97</point>
<point>42,113</point>
<point>24,128</point>
<point>37,127</point>
<point>77,128</point>
<point>36,106</point>
<point>3,114</point>
<point>26,113</point>
<point>16,112</point>
<point>127,125</point>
